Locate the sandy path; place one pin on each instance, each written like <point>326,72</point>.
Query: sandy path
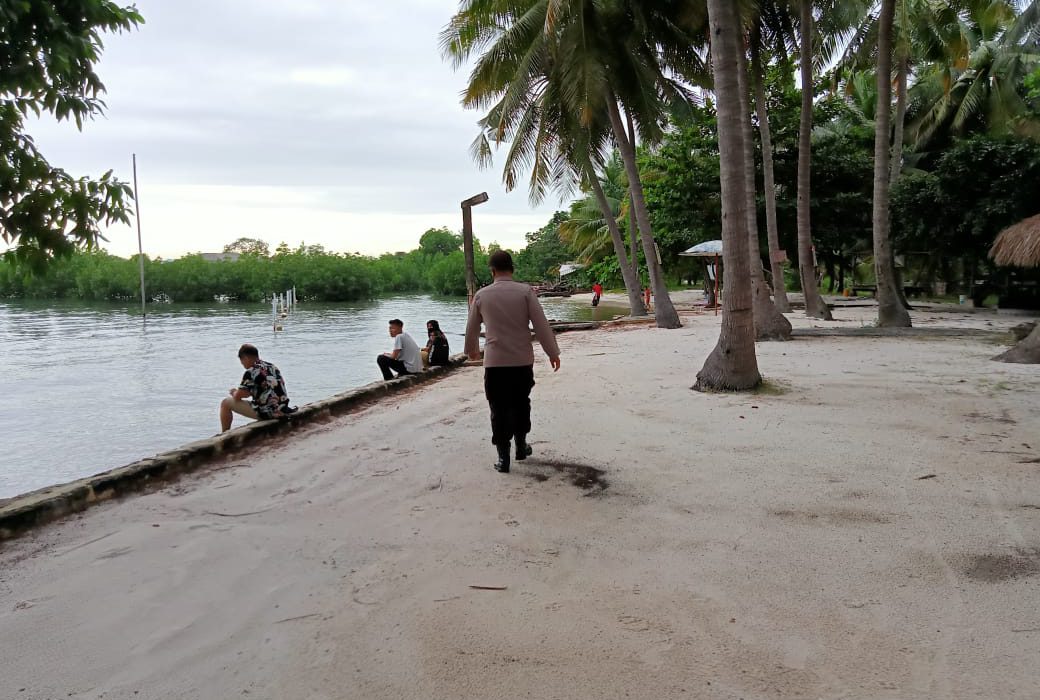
<point>734,546</point>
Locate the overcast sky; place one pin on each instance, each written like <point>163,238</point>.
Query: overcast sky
<point>326,121</point>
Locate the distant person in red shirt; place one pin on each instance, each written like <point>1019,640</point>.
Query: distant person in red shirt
<point>646,298</point>
<point>597,292</point>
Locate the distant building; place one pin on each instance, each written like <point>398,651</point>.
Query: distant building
<point>218,257</point>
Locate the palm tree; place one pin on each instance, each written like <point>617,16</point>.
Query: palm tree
<point>977,86</point>
<point>814,304</point>
<point>593,227</point>
<point>732,365</point>
<point>770,324</point>
<point>572,62</point>
<point>520,79</point>
<point>646,37</point>
<point>912,31</point>
<point>769,180</point>
<point>890,310</point>
<point>585,230</point>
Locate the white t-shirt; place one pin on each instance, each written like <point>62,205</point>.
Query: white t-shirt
<point>409,354</point>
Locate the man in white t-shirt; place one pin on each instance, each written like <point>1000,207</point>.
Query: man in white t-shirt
<point>405,358</point>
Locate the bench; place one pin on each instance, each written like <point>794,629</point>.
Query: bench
<point>909,290</point>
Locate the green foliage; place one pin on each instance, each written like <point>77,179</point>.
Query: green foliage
<point>682,178</point>
<point>1032,87</point>
<point>439,241</point>
<point>585,231</point>
<point>47,66</point>
<point>842,187</point>
<point>607,272</point>
<point>977,187</point>
<point>981,87</point>
<point>317,274</point>
<point>681,184</point>
<point>545,252</point>
<point>248,246</point>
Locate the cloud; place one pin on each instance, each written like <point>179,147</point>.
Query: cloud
<point>333,123</point>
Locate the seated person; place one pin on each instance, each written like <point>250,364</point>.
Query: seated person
<point>263,383</point>
<point>436,351</point>
<point>404,358</point>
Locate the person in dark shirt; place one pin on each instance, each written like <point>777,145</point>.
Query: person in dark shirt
<point>262,383</point>
<point>436,351</point>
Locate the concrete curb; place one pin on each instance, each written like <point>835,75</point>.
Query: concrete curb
<point>22,513</point>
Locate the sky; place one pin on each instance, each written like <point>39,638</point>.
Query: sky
<point>331,122</point>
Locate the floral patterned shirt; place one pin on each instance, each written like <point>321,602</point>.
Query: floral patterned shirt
<point>264,382</point>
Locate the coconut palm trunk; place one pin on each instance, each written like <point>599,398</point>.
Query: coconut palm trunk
<point>633,235</point>
<point>732,365</point>
<point>902,70</point>
<point>814,304</point>
<point>632,286</point>
<point>890,310</point>
<point>776,267</point>
<point>770,324</point>
<point>1026,352</point>
<point>632,225</point>
<point>664,311</point>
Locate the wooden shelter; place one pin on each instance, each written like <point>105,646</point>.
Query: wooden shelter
<point>1019,246</point>
<point>711,253</point>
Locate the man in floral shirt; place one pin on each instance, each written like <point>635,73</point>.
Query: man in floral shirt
<point>263,383</point>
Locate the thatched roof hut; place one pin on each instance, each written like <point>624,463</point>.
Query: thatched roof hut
<point>1018,245</point>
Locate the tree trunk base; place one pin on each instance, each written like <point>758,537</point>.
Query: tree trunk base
<point>818,309</point>
<point>636,306</point>
<point>770,324</point>
<point>1027,352</point>
<point>893,316</point>
<point>666,315</point>
<point>721,372</point>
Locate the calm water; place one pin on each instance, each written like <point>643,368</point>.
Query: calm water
<point>90,387</point>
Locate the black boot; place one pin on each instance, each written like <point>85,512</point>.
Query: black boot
<point>523,450</point>
<point>502,465</point>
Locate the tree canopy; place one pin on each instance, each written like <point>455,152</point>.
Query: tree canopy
<point>47,57</point>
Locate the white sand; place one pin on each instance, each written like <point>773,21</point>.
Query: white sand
<point>770,546</point>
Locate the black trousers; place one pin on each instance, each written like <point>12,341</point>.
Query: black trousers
<point>388,363</point>
<point>508,391</point>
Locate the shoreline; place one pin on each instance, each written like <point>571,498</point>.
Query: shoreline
<point>852,531</point>
<point>24,512</point>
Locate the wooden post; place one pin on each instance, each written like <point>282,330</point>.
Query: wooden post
<point>716,284</point>
<point>467,242</point>
<point>140,248</point>
<point>467,251</point>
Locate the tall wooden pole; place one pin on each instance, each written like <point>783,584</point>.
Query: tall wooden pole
<point>140,247</point>
<point>467,241</point>
<point>467,252</point>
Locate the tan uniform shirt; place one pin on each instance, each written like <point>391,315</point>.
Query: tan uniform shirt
<point>506,308</point>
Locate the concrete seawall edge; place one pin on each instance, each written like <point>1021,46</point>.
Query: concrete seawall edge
<point>22,513</point>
